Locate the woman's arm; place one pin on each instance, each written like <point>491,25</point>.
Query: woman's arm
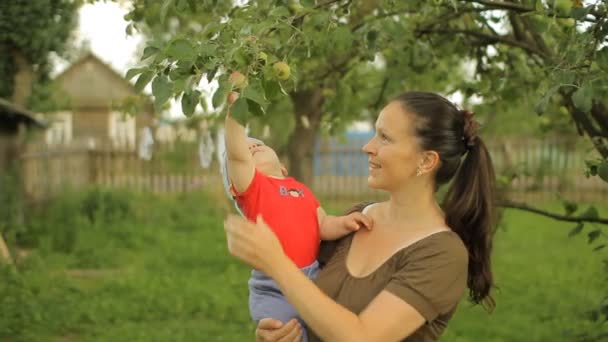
<point>387,318</point>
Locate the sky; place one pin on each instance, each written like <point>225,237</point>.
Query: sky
<point>103,27</point>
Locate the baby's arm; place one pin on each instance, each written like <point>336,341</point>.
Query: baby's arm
<point>241,168</point>
<point>334,227</point>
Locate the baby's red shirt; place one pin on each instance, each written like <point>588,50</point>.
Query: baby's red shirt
<point>290,209</point>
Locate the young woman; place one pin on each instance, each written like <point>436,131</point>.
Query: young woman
<point>404,278</point>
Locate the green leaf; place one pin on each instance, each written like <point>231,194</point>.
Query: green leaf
<point>182,50</point>
<point>181,84</point>
<point>164,9</point>
<point>455,5</point>
<point>590,214</point>
<point>541,105</point>
<point>255,93</point>
<point>566,77</point>
<point>372,37</point>
<point>255,108</point>
<point>582,98</point>
<point>342,39</point>
<point>279,11</point>
<point>240,110</point>
<point>133,72</point>
<point>579,13</point>
<point>593,235</point>
<point>129,29</point>
<point>143,80</point>
<point>307,3</point>
<point>570,207</point>
<point>211,74</point>
<point>189,102</point>
<point>602,58</point>
<point>576,230</point>
<point>162,90</point>
<point>211,28</point>
<point>272,89</point>
<point>602,170</point>
<point>219,97</point>
<point>149,51</point>
<point>599,247</point>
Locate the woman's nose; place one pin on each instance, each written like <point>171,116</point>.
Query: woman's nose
<point>367,148</point>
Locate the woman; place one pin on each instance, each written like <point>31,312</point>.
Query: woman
<point>405,277</point>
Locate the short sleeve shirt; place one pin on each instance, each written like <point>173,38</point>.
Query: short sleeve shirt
<point>430,275</point>
<point>290,209</point>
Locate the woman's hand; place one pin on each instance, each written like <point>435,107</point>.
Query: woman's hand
<point>254,243</point>
<point>272,330</point>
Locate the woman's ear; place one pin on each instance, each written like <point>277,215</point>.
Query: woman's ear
<point>284,170</point>
<point>430,160</point>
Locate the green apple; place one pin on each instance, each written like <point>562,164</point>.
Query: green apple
<point>562,6</point>
<point>281,70</point>
<point>238,80</point>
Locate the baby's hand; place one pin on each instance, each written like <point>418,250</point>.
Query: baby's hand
<point>232,97</point>
<point>353,221</point>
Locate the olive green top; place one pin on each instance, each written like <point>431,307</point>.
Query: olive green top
<point>430,275</point>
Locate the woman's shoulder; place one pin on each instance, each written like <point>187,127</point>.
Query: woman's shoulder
<point>360,207</point>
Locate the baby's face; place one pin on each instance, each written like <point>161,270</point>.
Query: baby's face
<point>264,157</point>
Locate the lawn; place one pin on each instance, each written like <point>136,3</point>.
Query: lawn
<point>110,266</point>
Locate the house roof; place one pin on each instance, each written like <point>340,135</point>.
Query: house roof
<point>91,83</point>
<point>11,115</point>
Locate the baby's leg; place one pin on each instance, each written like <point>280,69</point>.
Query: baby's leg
<point>267,301</point>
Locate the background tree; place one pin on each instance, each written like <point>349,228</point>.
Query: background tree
<point>345,58</point>
<point>31,34</point>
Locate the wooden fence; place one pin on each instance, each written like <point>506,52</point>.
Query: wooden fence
<point>49,171</point>
<point>533,169</point>
<point>544,169</point>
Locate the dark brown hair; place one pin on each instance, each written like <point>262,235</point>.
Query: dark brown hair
<point>464,160</point>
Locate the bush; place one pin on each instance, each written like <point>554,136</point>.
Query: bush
<point>106,206</point>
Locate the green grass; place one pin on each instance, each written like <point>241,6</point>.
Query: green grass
<point>547,284</point>
<point>128,267</point>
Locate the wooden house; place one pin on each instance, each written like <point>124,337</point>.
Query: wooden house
<point>95,93</point>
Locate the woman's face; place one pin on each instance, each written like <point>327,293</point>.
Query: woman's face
<point>393,151</point>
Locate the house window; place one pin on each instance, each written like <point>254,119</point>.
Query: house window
<point>59,131</point>
<point>122,130</point>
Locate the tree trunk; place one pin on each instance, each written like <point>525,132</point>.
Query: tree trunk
<point>5,255</point>
<point>23,79</point>
<point>308,105</point>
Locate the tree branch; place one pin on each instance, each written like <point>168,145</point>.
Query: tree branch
<point>519,8</point>
<point>600,113</point>
<point>382,16</point>
<point>538,39</point>
<point>488,38</point>
<point>525,207</point>
<point>378,101</point>
<point>581,119</point>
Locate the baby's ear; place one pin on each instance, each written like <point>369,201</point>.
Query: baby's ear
<point>284,170</point>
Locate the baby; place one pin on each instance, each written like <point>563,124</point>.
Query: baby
<point>260,186</point>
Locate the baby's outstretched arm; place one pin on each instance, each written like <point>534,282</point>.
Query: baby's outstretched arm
<point>241,168</point>
<point>334,227</point>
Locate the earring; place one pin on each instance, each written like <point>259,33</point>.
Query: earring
<point>418,171</point>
